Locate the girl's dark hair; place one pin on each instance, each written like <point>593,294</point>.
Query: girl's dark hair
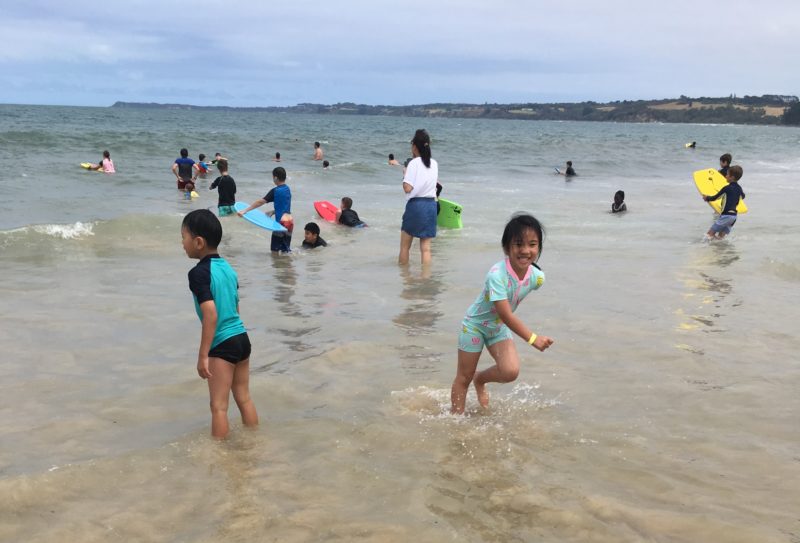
<point>517,225</point>
<point>106,154</point>
<point>620,193</point>
<point>422,141</point>
<point>204,224</point>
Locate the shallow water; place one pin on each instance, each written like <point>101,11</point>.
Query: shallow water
<point>666,410</point>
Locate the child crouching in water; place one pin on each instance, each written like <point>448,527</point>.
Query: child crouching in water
<point>490,319</point>
<point>224,355</point>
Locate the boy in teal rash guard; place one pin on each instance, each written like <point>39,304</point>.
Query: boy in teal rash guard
<point>224,355</point>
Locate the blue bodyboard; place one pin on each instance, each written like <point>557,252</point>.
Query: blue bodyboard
<point>259,218</point>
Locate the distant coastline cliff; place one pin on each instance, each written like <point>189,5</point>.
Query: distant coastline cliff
<point>767,109</point>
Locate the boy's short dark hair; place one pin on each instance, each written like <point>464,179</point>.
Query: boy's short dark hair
<point>277,155</point>
<point>204,224</point>
<point>736,172</point>
<point>391,156</point>
<point>517,225</point>
<point>726,158</point>
<point>347,202</point>
<point>184,152</point>
<point>313,228</point>
<point>280,173</point>
<point>569,163</point>
<point>222,165</point>
<point>620,193</point>
<point>325,163</point>
<point>201,156</point>
<point>316,144</point>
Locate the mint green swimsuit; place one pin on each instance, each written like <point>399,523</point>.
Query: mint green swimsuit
<point>482,325</point>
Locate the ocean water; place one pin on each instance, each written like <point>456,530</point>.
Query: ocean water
<point>667,409</point>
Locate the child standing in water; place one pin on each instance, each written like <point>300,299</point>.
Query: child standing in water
<point>227,189</point>
<point>224,355</point>
<point>490,319</point>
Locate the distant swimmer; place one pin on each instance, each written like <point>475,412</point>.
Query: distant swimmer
<point>691,145</point>
<point>106,164</point>
<point>392,161</point>
<point>218,156</point>
<point>325,164</point>
<point>318,154</point>
<point>201,167</point>
<point>725,163</point>
<point>277,157</point>
<point>618,206</point>
<point>569,172</point>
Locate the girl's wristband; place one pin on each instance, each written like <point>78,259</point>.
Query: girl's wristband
<point>532,339</point>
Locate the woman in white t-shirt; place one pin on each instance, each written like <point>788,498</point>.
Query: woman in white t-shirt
<point>419,184</point>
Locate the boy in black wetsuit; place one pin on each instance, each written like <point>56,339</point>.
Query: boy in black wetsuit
<point>732,193</point>
<point>227,189</point>
<point>347,216</point>
<point>312,239</point>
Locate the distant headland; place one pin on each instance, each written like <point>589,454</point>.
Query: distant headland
<point>766,109</point>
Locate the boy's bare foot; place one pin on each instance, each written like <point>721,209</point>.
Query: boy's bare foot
<point>480,389</point>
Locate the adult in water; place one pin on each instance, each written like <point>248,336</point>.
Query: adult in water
<point>419,184</point>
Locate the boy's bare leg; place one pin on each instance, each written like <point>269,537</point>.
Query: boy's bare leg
<point>219,389</point>
<point>241,393</point>
<point>505,370</point>
<point>467,363</point>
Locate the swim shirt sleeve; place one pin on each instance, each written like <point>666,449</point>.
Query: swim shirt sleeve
<point>215,183</point>
<point>270,197</point>
<point>497,284</point>
<point>200,283</point>
<point>717,195</point>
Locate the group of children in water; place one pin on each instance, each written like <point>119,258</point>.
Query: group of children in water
<point>224,352</point>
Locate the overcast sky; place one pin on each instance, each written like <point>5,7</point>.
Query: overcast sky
<point>254,53</point>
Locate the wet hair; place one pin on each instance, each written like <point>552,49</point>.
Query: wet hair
<point>391,156</point>
<point>106,154</point>
<point>517,225</point>
<point>347,202</point>
<point>726,158</point>
<point>422,141</point>
<point>325,163</point>
<point>277,155</point>
<point>201,156</point>
<point>222,165</point>
<point>621,194</point>
<point>569,163</point>
<point>201,223</point>
<point>313,228</point>
<point>736,172</point>
<point>184,152</point>
<point>280,173</point>
<point>217,154</point>
<point>316,144</point>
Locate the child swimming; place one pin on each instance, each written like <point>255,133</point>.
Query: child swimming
<point>490,319</point>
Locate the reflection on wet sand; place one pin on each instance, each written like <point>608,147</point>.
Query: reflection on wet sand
<point>418,318</point>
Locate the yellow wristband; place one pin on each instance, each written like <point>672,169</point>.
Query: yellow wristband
<point>532,339</point>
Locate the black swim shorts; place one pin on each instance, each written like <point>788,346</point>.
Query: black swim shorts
<point>233,350</point>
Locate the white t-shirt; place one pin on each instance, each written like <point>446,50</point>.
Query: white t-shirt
<point>422,180</point>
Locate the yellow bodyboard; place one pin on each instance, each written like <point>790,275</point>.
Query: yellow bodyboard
<point>709,182</point>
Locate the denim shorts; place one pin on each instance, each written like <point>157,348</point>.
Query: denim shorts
<point>723,224</point>
<point>419,219</point>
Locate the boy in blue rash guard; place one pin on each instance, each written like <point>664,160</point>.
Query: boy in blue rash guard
<point>281,197</point>
<point>732,193</point>
<point>224,355</point>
